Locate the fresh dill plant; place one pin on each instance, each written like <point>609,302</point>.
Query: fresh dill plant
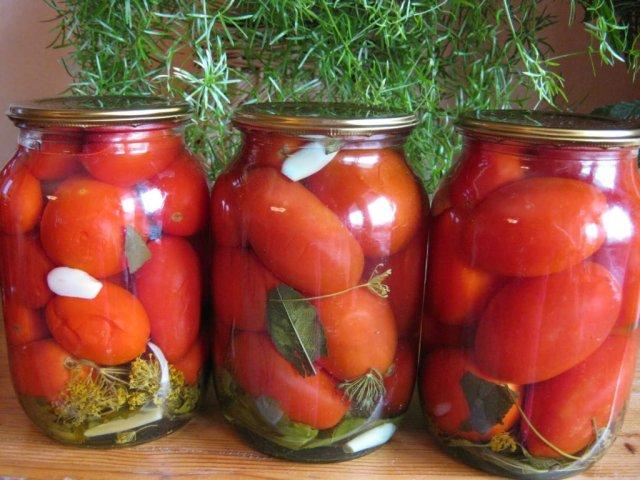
<point>437,57</point>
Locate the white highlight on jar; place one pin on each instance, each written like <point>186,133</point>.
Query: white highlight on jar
<point>305,162</point>
<point>73,282</point>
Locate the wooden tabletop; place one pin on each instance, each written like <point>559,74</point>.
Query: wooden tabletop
<point>209,448</point>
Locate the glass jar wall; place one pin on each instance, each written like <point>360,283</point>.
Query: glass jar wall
<point>102,210</point>
<point>530,327</point>
<point>318,271</point>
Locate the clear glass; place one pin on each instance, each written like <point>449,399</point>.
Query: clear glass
<point>318,274</point>
<point>529,333</point>
<point>101,269</point>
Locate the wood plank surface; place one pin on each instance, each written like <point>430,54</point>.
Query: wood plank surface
<point>209,448</point>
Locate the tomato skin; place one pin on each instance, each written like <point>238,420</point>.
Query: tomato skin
<point>268,149</point>
<point>222,341</point>
<point>240,286</point>
<point>192,363</point>
<point>536,328</point>
<point>225,214</point>
<point>444,401</point>
<point>20,200</point>
<point>22,324</point>
<point>375,194</point>
<point>261,371</point>
<point>169,285</point>
<point>562,409</point>
<point>455,291</point>
<point>400,383</point>
<point>38,368</point>
<point>535,226</point>
<point>296,237</point>
<point>435,334</point>
<point>441,201</point>
<point>56,158</point>
<point>360,332</point>
<point>111,329</point>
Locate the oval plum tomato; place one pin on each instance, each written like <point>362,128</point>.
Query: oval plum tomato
<point>20,200</point>
<point>225,215</point>
<point>192,362</point>
<point>482,170</point>
<point>261,371</point>
<point>83,227</point>
<point>111,329</point>
<point>221,344</point>
<point>375,194</point>
<point>39,368</point>
<point>399,385</point>
<point>22,324</point>
<point>296,237</point>
<point>536,328</point>
<point>56,158</point>
<point>127,157</point>
<point>447,392</point>
<point>186,196</point>
<point>455,291</point>
<point>360,332</point>
<point>23,268</point>
<point>267,148</point>
<point>169,285</point>
<point>435,334</point>
<point>564,408</point>
<point>240,285</point>
<point>535,226</point>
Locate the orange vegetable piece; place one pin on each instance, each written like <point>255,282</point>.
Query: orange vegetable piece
<point>20,200</point>
<point>22,324</point>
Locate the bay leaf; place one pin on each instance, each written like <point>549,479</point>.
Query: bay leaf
<point>488,402</point>
<point>135,249</point>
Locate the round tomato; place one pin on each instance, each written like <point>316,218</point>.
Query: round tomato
<point>296,237</point>
<point>535,227</point>
<point>375,194</point>
<point>268,149</point>
<point>435,334</point>
<point>450,406</point>
<point>20,200</point>
<point>536,328</point>
<point>56,158</point>
<point>22,324</point>
<point>240,285</point>
<point>111,329</point>
<point>192,363</point>
<point>225,216</point>
<point>261,371</point>
<point>565,408</point>
<point>360,332</point>
<point>455,291</point>
<point>169,285</point>
<point>399,385</point>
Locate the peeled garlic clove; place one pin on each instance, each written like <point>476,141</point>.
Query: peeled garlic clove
<point>139,419</point>
<point>371,438</point>
<point>165,382</point>
<point>310,159</point>
<point>72,282</point>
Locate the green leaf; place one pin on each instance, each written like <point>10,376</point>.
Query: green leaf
<point>488,402</point>
<point>622,110</point>
<point>135,249</point>
<point>294,329</point>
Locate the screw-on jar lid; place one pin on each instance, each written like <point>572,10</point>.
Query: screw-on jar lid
<point>552,126</point>
<point>332,119</point>
<point>79,111</point>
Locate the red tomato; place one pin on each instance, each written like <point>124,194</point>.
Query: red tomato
<point>535,227</point>
<point>455,291</point>
<point>186,196</point>
<point>221,344</point>
<point>127,157</point>
<point>441,201</point>
<point>111,329</point>
<point>435,334</point>
<point>399,384</point>
<point>444,400</point>
<point>375,194</point>
<point>564,408</point>
<point>261,371</point>
<point>169,286</point>
<point>360,331</point>
<point>225,216</point>
<point>20,200</point>
<point>240,285</point>
<point>536,328</point>
<point>268,149</point>
<point>22,324</point>
<point>39,369</point>
<point>296,237</point>
<point>83,227</point>
<point>24,268</point>
<point>56,158</point>
<point>192,362</point>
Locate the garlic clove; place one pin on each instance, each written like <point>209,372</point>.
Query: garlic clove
<point>165,382</point>
<point>306,161</point>
<point>73,282</point>
<point>138,419</point>
<point>371,438</point>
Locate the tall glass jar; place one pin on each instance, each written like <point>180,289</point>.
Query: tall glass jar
<point>101,208</point>
<point>318,270</point>
<point>533,286</point>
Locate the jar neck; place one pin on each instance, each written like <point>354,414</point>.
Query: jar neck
<point>264,138</point>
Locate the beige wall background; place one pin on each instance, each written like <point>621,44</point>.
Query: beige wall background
<point>29,70</point>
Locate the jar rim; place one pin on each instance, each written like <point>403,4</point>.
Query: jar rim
<point>331,119</point>
<point>544,125</point>
<point>87,110</point>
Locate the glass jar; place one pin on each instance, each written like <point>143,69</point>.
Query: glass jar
<point>100,209</point>
<point>533,283</point>
<point>318,272</point>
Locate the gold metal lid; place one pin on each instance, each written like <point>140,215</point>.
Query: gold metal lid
<point>552,126</point>
<point>332,119</point>
<point>79,111</point>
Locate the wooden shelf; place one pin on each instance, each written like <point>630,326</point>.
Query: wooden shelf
<point>208,447</point>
